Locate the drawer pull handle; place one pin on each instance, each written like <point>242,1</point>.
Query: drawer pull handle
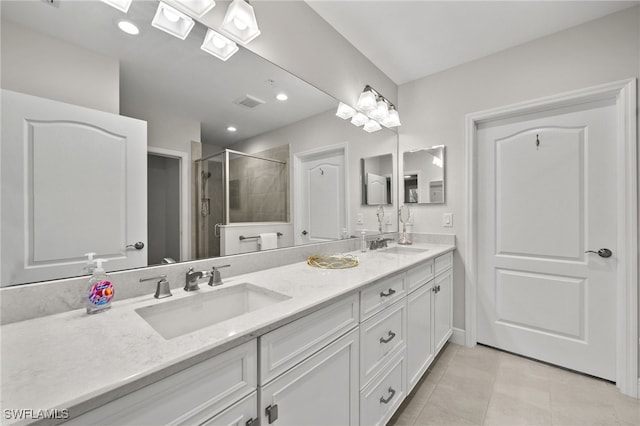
<point>272,413</point>
<point>384,400</point>
<point>391,336</point>
<point>388,293</point>
<point>252,422</point>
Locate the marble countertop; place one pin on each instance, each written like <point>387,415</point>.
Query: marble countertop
<point>78,362</point>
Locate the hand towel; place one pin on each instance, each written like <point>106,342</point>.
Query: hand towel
<point>268,241</point>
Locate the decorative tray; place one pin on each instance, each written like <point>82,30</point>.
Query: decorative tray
<point>334,261</point>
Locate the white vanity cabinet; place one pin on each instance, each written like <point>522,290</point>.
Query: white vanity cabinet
<point>429,312</point>
<point>190,397</point>
<point>309,368</point>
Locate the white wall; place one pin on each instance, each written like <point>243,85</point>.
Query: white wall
<point>434,108</point>
<point>41,66</point>
<point>324,130</point>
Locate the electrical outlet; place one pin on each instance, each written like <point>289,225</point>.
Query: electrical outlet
<point>360,219</point>
<point>447,220</point>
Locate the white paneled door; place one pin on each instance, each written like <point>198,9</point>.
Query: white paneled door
<point>74,181</point>
<point>321,197</point>
<point>546,197</point>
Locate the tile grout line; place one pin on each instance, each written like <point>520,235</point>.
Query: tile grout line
<point>493,388</point>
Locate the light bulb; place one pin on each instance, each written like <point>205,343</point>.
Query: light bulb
<point>239,23</point>
<point>170,15</point>
<point>218,42</point>
<point>231,129</point>
<point>128,27</point>
<point>282,97</point>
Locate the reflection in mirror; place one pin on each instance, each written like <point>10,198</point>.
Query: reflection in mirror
<point>404,216</point>
<point>186,100</point>
<point>377,180</point>
<point>424,176</point>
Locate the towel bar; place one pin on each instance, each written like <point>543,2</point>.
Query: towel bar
<point>242,237</point>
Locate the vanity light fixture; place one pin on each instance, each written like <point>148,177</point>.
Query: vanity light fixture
<point>393,119</point>
<point>172,21</point>
<point>121,5</point>
<point>359,119</point>
<point>128,27</point>
<point>372,110</point>
<point>218,45</point>
<point>240,22</point>
<point>198,7</point>
<point>367,100</point>
<point>372,126</point>
<point>381,111</point>
<point>345,111</point>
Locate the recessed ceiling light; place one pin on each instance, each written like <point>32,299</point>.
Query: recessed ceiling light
<point>128,27</point>
<point>282,97</point>
<point>121,5</point>
<point>231,129</point>
<point>172,21</point>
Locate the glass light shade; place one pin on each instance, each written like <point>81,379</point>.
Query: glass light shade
<point>345,111</point>
<point>240,22</point>
<point>121,5</point>
<point>197,7</point>
<point>359,119</point>
<point>392,120</point>
<point>372,126</point>
<point>366,101</point>
<point>218,45</point>
<point>380,112</point>
<point>172,21</point>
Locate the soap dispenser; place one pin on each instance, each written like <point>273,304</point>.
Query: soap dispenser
<point>90,266</point>
<point>100,290</point>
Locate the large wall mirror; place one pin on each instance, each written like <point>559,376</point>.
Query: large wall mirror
<point>73,52</point>
<point>424,176</point>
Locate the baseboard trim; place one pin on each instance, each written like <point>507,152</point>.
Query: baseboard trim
<point>458,336</point>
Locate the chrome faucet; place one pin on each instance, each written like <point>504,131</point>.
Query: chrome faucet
<point>214,275</point>
<point>379,243</point>
<point>191,280</point>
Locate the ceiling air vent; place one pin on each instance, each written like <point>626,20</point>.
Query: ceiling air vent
<point>248,101</point>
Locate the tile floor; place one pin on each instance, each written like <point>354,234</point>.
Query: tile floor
<point>483,386</point>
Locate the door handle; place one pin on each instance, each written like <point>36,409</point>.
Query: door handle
<point>138,246</point>
<point>603,252</point>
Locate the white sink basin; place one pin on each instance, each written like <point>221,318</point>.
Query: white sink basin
<point>183,316</point>
<point>404,250</point>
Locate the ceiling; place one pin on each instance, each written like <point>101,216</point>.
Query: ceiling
<point>175,78</point>
<point>408,40</point>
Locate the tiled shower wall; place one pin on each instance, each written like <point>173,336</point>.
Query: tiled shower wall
<point>258,189</point>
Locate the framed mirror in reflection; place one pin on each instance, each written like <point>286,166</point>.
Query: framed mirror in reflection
<point>424,176</point>
<point>182,104</point>
<point>377,180</point>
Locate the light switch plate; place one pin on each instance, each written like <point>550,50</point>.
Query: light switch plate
<point>447,220</point>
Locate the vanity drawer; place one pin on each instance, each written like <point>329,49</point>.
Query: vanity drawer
<point>380,399</point>
<point>382,336</point>
<point>444,262</point>
<point>288,345</point>
<point>189,397</point>
<point>241,413</point>
<point>381,294</point>
<point>419,275</point>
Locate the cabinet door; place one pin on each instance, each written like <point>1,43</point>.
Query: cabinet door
<point>443,308</point>
<point>322,390</point>
<point>419,335</point>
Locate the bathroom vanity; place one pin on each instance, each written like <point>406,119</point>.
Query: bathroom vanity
<point>313,346</point>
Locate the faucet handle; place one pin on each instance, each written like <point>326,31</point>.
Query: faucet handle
<point>162,289</point>
<point>216,279</point>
